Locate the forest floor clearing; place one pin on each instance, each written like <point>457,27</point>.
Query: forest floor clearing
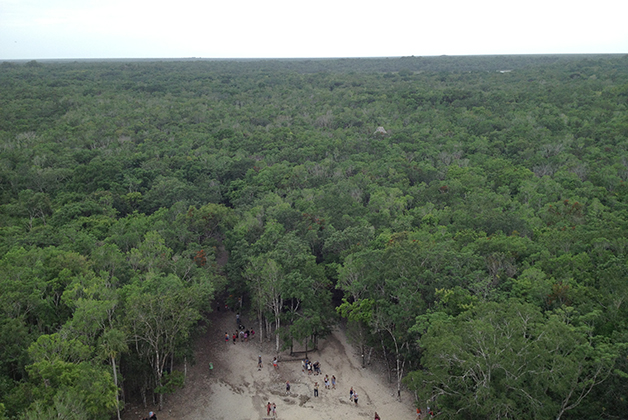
<point>236,390</point>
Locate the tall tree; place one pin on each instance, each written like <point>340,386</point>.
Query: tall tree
<point>509,361</point>
<point>159,315</point>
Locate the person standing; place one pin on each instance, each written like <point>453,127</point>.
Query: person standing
<point>268,408</point>
<point>235,337</point>
<point>316,389</point>
<point>351,394</point>
<point>226,337</point>
<point>333,382</point>
<point>275,363</point>
<point>259,362</point>
<point>376,416</point>
<point>355,397</point>
<point>274,410</point>
<point>287,387</point>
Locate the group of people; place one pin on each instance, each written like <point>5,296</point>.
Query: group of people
<point>419,413</point>
<point>330,383</point>
<point>353,396</point>
<point>260,365</point>
<point>307,365</point>
<point>243,335</point>
<point>241,332</point>
<point>271,408</point>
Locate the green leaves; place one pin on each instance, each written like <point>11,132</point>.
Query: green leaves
<point>487,187</point>
<point>508,360</point>
<point>80,388</point>
<point>58,347</point>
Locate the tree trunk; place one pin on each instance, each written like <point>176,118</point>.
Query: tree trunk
<point>268,329</point>
<point>115,381</point>
<point>362,353</point>
<point>385,357</point>
<point>278,325</point>
<point>400,367</point>
<point>143,393</point>
<point>158,375</point>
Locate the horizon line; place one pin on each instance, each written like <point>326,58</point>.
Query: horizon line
<point>301,58</point>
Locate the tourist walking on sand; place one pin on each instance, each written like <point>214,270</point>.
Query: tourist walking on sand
<point>326,381</point>
<point>274,410</point>
<point>259,362</point>
<point>275,363</point>
<point>287,387</point>
<point>268,408</point>
<point>355,397</point>
<point>333,382</point>
<point>351,394</point>
<point>316,389</point>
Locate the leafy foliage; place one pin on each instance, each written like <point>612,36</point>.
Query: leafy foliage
<point>493,200</point>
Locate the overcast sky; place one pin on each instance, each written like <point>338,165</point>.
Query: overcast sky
<point>38,29</point>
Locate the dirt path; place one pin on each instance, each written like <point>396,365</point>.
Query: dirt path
<point>236,390</point>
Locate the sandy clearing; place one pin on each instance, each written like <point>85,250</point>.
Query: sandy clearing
<point>236,390</point>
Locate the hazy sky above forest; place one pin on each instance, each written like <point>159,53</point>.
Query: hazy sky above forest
<point>39,29</point>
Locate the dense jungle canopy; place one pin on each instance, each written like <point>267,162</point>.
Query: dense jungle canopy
<point>477,242</point>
